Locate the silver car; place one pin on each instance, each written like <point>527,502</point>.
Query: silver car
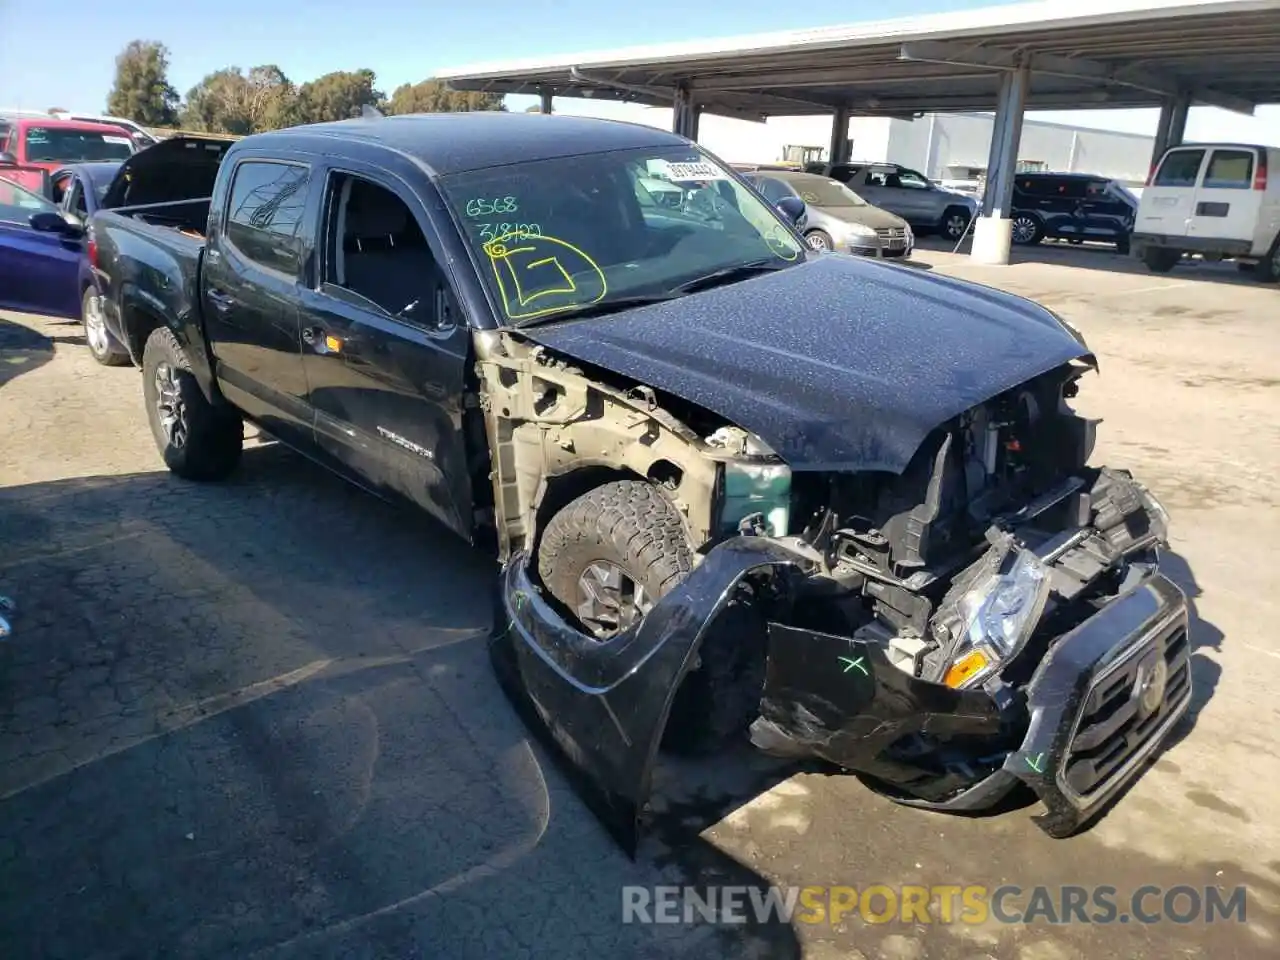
<point>925,205</point>
<point>836,218</point>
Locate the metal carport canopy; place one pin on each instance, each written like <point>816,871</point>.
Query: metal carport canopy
<point>1082,54</point>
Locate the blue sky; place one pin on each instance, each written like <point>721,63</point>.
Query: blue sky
<point>406,40</point>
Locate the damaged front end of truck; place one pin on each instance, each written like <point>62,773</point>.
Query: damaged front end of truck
<point>983,612</point>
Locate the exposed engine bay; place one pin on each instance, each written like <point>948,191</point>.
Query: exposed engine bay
<point>991,615</point>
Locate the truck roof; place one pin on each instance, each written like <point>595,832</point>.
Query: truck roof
<point>454,142</point>
<point>53,123</point>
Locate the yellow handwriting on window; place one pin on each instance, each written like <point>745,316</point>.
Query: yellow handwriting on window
<point>533,277</point>
<point>782,243</point>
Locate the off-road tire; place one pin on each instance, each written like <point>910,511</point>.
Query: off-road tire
<point>1161,259</point>
<point>214,436</point>
<point>631,524</point>
<point>103,347</point>
<point>628,523</point>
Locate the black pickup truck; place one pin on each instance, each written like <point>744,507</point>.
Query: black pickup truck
<point>734,485</point>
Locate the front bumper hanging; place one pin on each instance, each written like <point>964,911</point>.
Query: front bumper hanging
<point>1097,706</point>
<point>605,705</point>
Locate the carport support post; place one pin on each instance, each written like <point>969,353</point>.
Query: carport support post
<point>993,232</point>
<point>838,151</point>
<point>684,115</point>
<point>546,101</point>
<point>1172,127</point>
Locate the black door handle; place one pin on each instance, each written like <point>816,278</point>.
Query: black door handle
<point>222,302</point>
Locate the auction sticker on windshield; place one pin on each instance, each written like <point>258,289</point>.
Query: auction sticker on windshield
<point>699,170</point>
<point>109,139</point>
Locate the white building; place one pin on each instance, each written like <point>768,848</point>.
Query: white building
<point>947,147</point>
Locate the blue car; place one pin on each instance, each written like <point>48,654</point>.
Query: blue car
<point>44,262</point>
<point>40,255</point>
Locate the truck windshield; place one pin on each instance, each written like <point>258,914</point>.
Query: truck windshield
<point>69,145</point>
<point>560,235</point>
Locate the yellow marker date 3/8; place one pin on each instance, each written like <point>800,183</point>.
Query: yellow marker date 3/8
<point>504,231</point>
<point>489,206</point>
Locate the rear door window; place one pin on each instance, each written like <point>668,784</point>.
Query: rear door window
<point>1230,170</point>
<point>264,213</point>
<point>1179,168</point>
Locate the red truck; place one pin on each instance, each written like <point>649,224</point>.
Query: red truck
<point>31,148</point>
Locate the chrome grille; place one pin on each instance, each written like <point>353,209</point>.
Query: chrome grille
<point>892,237</point>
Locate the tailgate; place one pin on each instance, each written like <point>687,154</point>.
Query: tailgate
<point>1168,201</point>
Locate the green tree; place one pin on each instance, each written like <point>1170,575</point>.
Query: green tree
<point>218,103</point>
<point>142,92</point>
<point>432,96</point>
<point>229,101</point>
<point>271,98</point>
<point>335,96</point>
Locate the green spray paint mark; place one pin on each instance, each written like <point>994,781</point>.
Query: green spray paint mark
<point>1036,764</point>
<point>850,663</point>
<point>520,599</point>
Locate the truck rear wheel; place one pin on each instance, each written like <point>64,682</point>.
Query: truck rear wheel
<point>197,440</point>
<point>1268,270</point>
<point>103,347</point>
<point>612,553</point>
<point>1160,259</point>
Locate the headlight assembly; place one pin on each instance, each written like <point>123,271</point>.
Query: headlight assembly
<point>998,612</point>
<point>860,230</point>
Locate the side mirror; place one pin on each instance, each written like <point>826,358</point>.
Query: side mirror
<point>47,222</point>
<point>7,159</point>
<point>792,208</point>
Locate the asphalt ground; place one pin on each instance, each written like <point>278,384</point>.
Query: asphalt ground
<point>258,718</point>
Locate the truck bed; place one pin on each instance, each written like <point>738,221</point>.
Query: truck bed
<point>147,260</point>
<point>187,218</point>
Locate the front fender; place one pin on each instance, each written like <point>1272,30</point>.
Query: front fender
<point>604,705</point>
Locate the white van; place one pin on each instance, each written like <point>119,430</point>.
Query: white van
<point>1214,199</point>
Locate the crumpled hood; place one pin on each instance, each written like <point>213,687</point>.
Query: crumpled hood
<point>838,363</point>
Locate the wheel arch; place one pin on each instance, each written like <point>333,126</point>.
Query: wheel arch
<point>140,317</point>
<point>555,433</point>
